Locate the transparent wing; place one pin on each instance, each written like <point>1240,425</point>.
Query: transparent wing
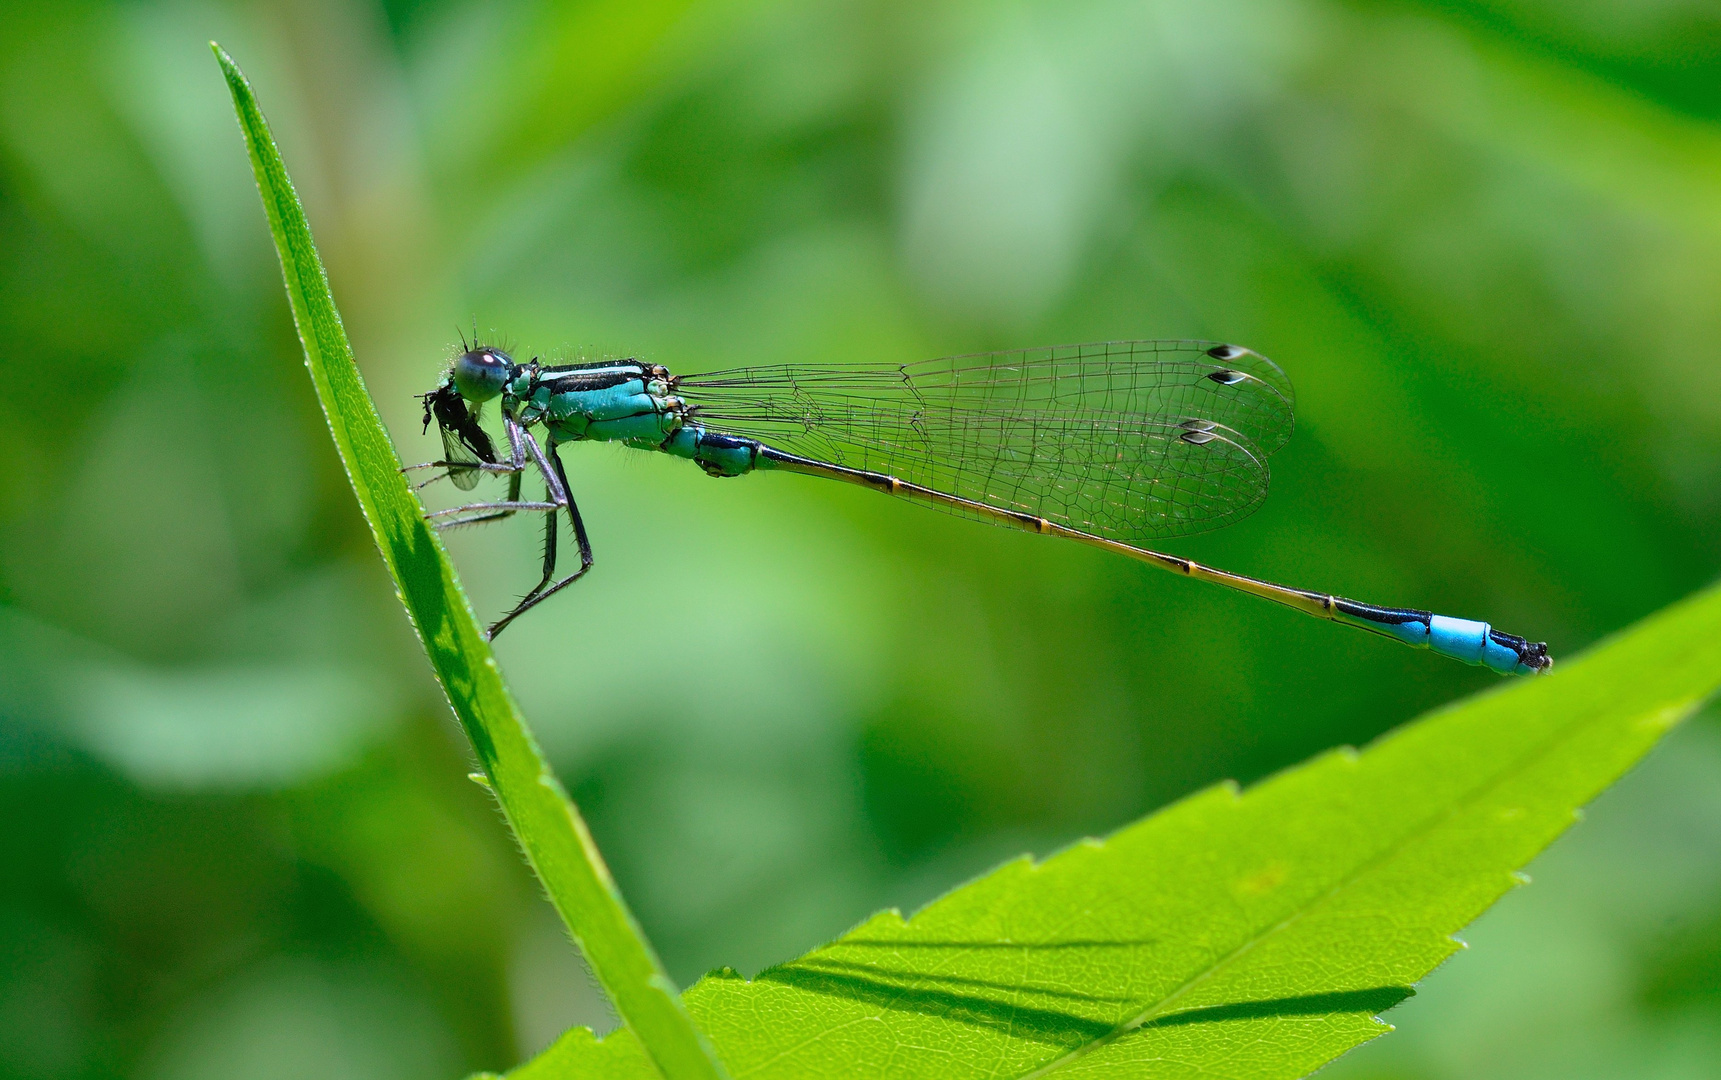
<point>1132,440</point>
<point>456,448</point>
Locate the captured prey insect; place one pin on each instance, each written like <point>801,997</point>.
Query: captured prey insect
<point>1108,444</point>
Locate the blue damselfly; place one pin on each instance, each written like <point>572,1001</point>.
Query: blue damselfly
<point>1110,444</point>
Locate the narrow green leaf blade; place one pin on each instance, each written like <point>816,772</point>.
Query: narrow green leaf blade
<point>1250,935</point>
<point>549,827</point>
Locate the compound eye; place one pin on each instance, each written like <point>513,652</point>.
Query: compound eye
<point>481,373</point>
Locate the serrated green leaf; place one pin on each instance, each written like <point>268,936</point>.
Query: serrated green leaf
<point>549,827</point>
<point>1242,935</point>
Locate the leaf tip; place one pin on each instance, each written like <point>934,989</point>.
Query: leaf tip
<point>235,77</point>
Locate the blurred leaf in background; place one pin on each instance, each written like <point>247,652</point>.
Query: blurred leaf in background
<point>1484,239</point>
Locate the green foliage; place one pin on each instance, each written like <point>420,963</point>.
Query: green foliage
<point>1250,935</point>
<point>550,830</point>
<point>1484,239</point>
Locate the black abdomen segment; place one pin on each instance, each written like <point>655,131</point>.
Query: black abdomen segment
<point>718,454</point>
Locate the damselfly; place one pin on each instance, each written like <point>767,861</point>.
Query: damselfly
<point>1110,445</point>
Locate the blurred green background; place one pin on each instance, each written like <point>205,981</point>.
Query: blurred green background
<point>1483,238</point>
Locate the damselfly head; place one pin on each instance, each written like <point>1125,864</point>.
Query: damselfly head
<point>481,372</point>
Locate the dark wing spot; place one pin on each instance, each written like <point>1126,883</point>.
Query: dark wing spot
<point>1227,376</point>
<point>1225,352</point>
<point>1197,432</point>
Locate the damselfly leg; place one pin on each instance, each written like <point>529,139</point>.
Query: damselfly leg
<point>523,446</point>
<point>449,467</point>
<point>556,479</point>
<point>480,512</point>
<point>465,470</point>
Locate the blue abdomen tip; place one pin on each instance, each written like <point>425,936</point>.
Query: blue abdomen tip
<point>1461,639</point>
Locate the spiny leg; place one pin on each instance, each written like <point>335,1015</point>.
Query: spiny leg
<point>558,492</point>
<point>480,519</point>
<point>451,466</point>
<point>549,559</point>
<point>574,519</point>
<point>478,466</point>
<point>558,483</point>
<point>489,511</point>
